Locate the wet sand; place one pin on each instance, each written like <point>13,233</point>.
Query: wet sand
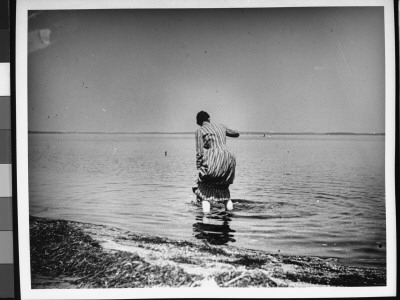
<point>67,254</point>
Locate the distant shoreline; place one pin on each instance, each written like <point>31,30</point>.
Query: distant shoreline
<point>177,133</point>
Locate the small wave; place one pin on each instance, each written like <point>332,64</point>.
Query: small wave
<point>257,217</point>
<point>263,210</point>
<point>240,201</point>
<point>275,204</point>
<point>273,216</point>
<point>325,197</point>
<point>372,249</point>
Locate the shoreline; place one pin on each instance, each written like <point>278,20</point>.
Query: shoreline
<point>72,255</point>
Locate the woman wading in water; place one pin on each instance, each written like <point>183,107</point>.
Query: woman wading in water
<point>215,163</point>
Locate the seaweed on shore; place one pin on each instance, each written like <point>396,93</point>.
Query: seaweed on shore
<point>160,240</point>
<point>251,261</point>
<point>347,277</point>
<point>60,249</point>
<point>318,272</point>
<point>184,260</point>
<point>245,279</point>
<point>65,251</point>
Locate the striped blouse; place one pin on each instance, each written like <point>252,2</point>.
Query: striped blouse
<point>211,135</point>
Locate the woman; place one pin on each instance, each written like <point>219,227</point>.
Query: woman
<point>215,163</point>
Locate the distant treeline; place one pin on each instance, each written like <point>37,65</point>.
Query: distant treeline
<point>310,133</point>
<point>101,132</point>
<point>352,133</point>
<point>189,132</point>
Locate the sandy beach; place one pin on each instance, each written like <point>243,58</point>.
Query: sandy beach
<point>67,254</point>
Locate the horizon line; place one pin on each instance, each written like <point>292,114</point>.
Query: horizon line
<point>192,132</point>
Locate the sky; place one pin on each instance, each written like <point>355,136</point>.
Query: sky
<point>254,69</point>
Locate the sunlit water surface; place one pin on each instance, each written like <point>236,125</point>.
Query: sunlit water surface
<point>308,195</point>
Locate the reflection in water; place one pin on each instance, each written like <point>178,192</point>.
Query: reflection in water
<point>214,228</point>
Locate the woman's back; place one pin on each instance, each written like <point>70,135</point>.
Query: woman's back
<point>214,135</point>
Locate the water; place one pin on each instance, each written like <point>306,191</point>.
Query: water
<point>308,195</point>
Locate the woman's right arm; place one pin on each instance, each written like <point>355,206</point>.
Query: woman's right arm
<point>199,148</point>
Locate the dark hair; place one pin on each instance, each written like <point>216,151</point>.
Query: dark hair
<point>201,117</point>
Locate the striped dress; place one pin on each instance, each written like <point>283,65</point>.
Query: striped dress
<point>215,163</point>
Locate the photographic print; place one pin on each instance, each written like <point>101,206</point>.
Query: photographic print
<point>205,148</point>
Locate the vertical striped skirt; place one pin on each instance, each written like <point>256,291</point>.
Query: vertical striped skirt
<point>216,173</point>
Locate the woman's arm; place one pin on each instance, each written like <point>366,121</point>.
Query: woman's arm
<point>199,148</point>
<point>232,133</point>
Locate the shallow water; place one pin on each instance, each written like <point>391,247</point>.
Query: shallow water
<point>307,195</point>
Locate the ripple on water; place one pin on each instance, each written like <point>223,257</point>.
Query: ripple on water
<point>321,192</point>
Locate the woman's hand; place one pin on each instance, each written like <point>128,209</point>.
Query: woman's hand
<point>232,133</point>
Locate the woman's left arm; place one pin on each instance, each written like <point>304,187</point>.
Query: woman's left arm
<point>232,133</point>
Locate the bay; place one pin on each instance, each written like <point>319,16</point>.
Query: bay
<point>314,195</point>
